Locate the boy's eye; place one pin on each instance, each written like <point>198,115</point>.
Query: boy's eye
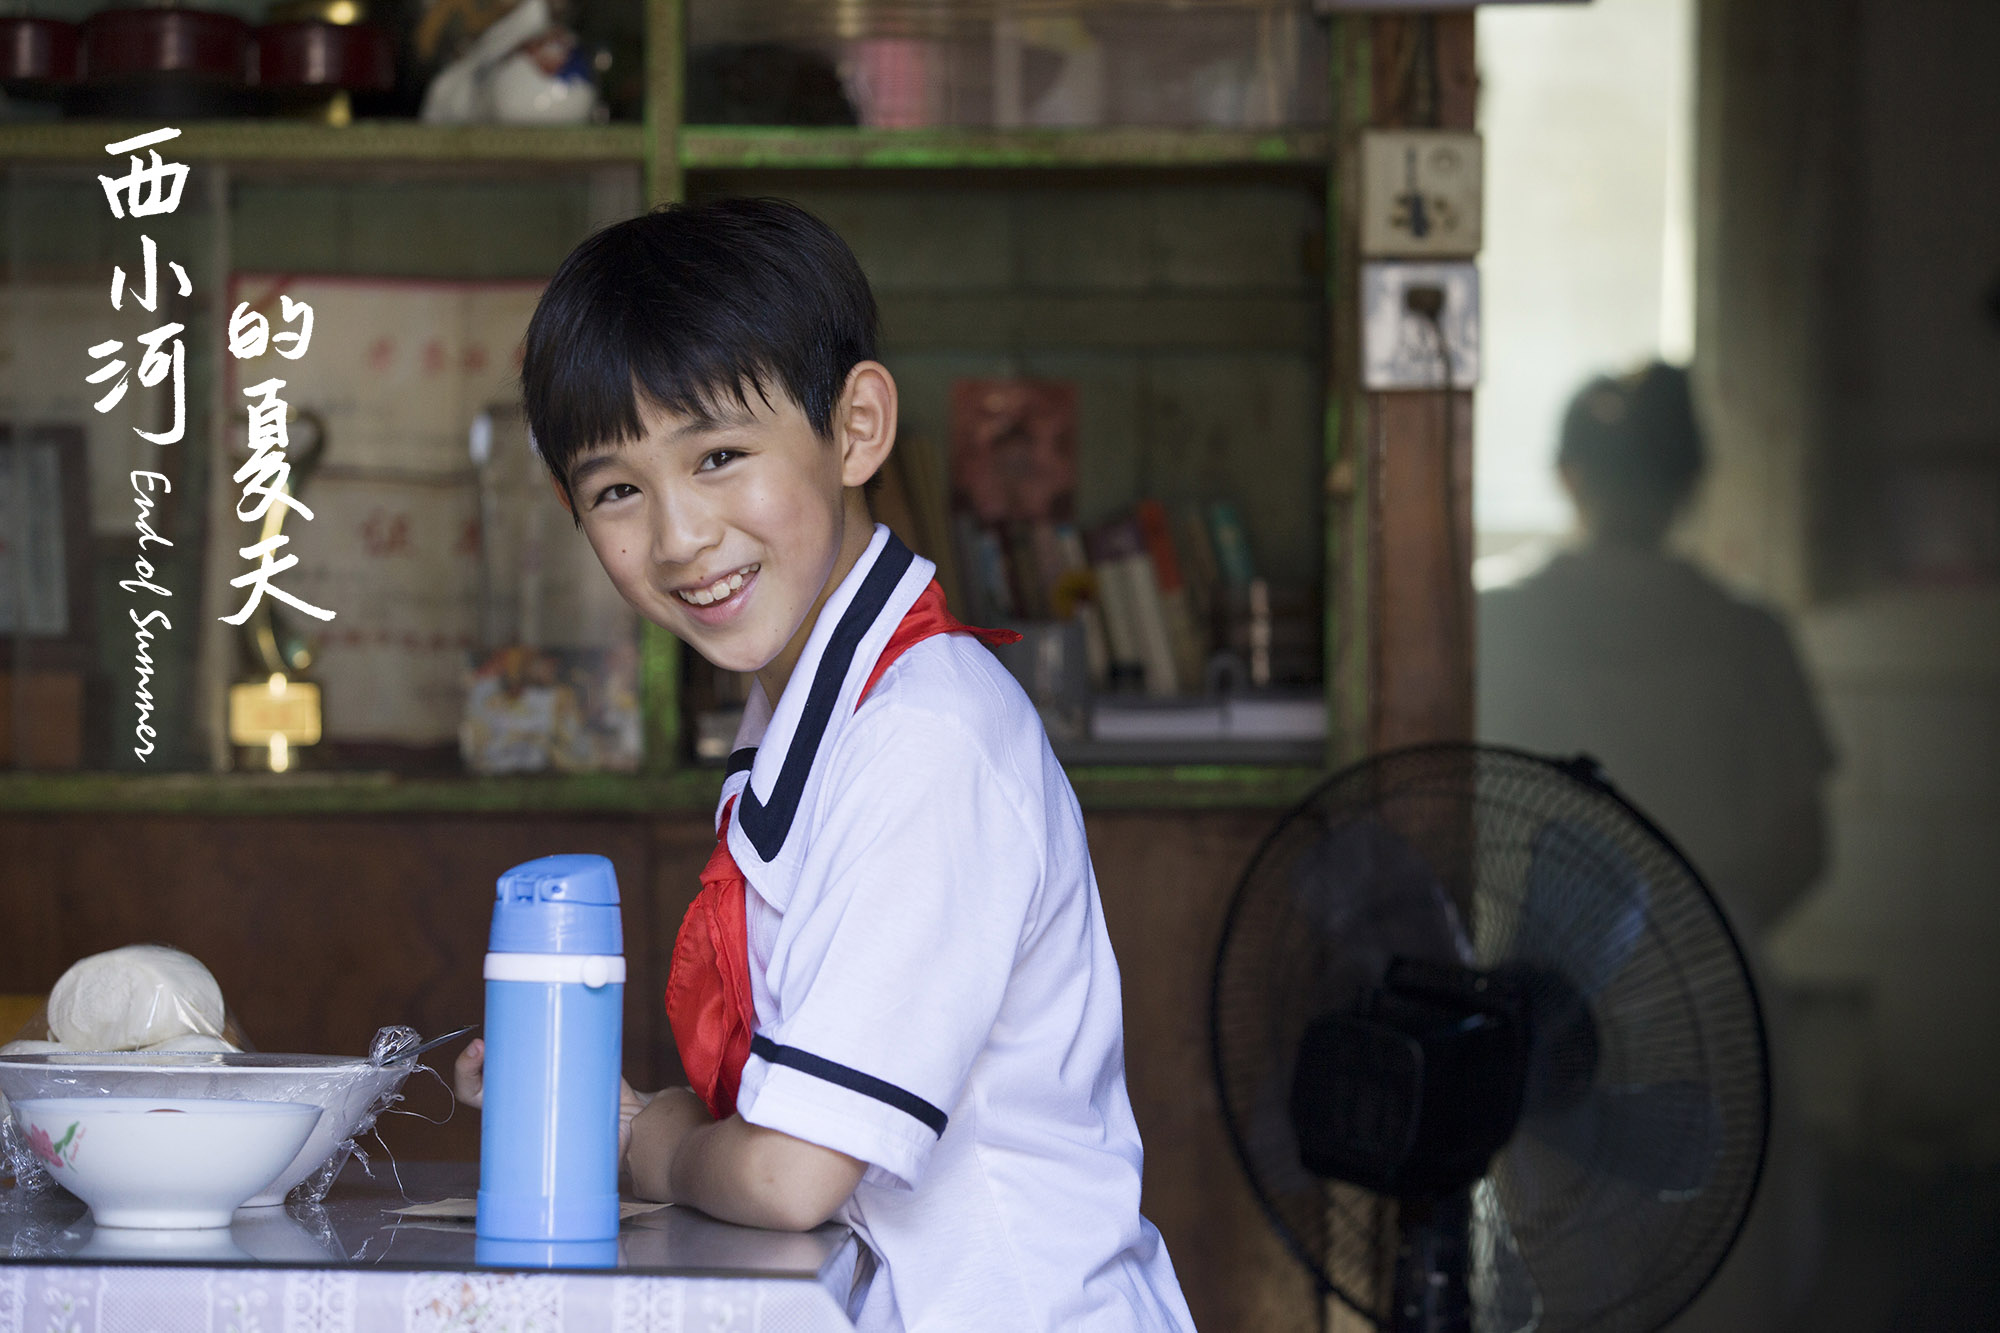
<point>618,490</point>
<point>717,458</point>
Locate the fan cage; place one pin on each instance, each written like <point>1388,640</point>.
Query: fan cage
<point>1597,1252</point>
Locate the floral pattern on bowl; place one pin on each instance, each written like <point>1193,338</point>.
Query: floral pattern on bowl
<point>59,1153</point>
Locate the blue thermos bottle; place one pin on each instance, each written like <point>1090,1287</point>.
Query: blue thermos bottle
<point>555,992</point>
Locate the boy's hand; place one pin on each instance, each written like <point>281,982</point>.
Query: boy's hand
<point>630,1103</point>
<point>469,1083</point>
<point>468,1072</point>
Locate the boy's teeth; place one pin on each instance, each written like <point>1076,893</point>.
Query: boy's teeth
<point>720,589</point>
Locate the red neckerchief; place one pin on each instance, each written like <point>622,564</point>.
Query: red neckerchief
<point>708,982</point>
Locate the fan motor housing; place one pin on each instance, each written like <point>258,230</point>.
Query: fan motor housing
<point>1412,1094</point>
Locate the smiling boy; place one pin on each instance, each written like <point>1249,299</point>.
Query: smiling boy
<point>894,997</point>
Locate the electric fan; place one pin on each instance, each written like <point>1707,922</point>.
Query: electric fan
<point>1488,1050</point>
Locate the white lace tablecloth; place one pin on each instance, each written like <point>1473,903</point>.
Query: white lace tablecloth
<point>125,1299</point>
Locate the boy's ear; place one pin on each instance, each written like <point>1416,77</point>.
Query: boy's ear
<point>865,422</point>
<point>562,496</point>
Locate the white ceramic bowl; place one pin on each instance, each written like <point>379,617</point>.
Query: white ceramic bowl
<point>346,1087</point>
<point>163,1162</point>
<point>213,1245</point>
<point>268,1235</point>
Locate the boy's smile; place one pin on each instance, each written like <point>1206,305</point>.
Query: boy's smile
<point>731,532</point>
<point>718,593</point>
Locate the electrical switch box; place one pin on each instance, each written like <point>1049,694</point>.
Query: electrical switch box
<point>1420,194</point>
<point>1399,340</point>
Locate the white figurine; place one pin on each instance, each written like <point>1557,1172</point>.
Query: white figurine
<point>525,69</point>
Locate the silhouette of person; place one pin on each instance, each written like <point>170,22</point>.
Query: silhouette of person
<point>1694,701</point>
<point>1691,697</point>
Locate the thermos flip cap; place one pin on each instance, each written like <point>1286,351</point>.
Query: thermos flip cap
<point>558,904</point>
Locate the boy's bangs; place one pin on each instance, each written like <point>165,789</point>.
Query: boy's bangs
<point>600,407</point>
<point>603,406</point>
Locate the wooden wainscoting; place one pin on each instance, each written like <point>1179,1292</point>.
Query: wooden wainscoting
<point>323,928</point>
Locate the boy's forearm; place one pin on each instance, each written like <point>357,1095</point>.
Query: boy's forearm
<point>725,1169</point>
<point>736,1171</point>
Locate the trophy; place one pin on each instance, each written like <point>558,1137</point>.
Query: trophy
<point>276,709</point>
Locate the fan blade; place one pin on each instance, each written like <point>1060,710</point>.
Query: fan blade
<point>1663,1137</point>
<point>1504,1296</point>
<point>1586,906</point>
<point>1366,888</point>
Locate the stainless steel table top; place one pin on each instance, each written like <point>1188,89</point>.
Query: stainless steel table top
<point>356,1229</point>
<point>353,1266</point>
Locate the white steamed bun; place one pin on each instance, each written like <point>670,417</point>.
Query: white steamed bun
<point>136,996</point>
<point>30,1046</point>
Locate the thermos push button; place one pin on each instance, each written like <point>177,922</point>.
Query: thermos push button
<point>596,972</point>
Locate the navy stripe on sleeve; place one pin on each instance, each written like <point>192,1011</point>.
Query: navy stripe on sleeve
<point>740,760</point>
<point>853,1079</point>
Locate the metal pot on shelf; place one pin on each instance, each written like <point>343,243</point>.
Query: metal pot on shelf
<point>37,56</point>
<point>162,61</point>
<point>314,54</point>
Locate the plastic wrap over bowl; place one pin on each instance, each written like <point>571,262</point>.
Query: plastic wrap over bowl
<point>350,1090</point>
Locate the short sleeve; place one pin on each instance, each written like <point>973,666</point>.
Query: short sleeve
<point>897,945</point>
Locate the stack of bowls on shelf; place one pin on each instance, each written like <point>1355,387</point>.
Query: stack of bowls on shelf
<point>306,60</point>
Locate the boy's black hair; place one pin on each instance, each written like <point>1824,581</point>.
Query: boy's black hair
<point>1634,447</point>
<point>690,305</point>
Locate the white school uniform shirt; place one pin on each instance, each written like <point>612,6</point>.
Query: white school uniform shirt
<point>935,993</point>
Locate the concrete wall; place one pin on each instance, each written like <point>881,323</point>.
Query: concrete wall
<point>1848,252</point>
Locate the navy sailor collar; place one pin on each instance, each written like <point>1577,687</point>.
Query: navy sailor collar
<point>774,770</point>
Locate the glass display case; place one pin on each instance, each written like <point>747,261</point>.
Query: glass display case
<point>911,64</point>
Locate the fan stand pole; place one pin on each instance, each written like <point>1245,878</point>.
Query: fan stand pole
<point>1433,1256</point>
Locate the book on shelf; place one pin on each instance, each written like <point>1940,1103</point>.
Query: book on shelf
<point>1075,595</point>
<point>988,589</point>
<point>1157,589</point>
<point>1190,645</point>
<point>1050,564</point>
<point>1231,543</point>
<point>1012,479</point>
<point>1131,591</point>
<point>1198,567</point>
